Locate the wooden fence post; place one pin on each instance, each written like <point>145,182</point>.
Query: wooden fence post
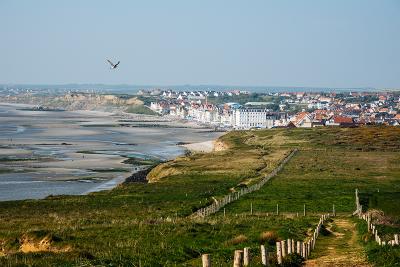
<point>314,239</point>
<point>238,258</point>
<point>264,255</point>
<point>278,252</point>
<point>298,247</point>
<point>206,259</point>
<point>293,251</point>
<point>289,246</point>
<point>333,210</point>
<point>369,222</point>
<point>283,247</point>
<point>246,256</point>
<point>277,209</point>
<point>304,247</point>
<point>251,208</point>
<point>396,239</point>
<point>358,209</point>
<point>304,210</point>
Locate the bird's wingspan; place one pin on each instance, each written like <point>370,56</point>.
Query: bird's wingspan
<point>112,64</point>
<point>117,63</point>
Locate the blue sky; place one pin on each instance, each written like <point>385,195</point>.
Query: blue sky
<point>272,43</point>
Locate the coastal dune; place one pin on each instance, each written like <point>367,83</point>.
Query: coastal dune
<point>206,146</point>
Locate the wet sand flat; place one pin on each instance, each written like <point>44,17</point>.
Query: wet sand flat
<point>75,152</point>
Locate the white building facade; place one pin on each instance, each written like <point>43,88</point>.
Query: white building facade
<point>246,118</point>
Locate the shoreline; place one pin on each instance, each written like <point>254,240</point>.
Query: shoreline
<point>71,159</point>
<point>203,147</point>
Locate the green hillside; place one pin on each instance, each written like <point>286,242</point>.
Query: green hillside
<point>140,224</point>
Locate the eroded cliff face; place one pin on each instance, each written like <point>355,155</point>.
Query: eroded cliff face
<point>77,101</point>
<point>220,145</point>
<point>95,102</point>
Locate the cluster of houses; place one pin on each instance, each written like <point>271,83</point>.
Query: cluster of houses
<point>296,109</point>
<point>190,95</point>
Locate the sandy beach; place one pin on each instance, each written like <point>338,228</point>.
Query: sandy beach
<point>206,146</point>
<point>74,152</point>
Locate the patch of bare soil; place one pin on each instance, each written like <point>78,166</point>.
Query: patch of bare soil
<point>29,244</point>
<point>220,145</point>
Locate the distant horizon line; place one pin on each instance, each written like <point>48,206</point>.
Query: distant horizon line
<point>189,85</point>
<point>132,88</point>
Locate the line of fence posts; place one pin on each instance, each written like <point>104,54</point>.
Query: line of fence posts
<point>372,227</point>
<point>303,248</point>
<point>283,249</point>
<point>374,231</point>
<point>216,206</point>
<point>240,257</point>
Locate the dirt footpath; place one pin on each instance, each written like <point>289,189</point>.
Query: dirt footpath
<point>340,248</point>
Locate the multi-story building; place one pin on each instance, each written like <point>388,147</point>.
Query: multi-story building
<point>253,117</point>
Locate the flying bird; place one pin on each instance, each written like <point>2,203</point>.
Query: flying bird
<point>113,66</point>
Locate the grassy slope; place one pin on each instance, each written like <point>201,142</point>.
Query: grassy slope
<point>102,226</point>
<point>140,109</point>
<point>321,178</point>
<point>122,226</point>
<point>331,163</point>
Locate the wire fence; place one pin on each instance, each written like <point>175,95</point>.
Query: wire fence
<point>216,206</point>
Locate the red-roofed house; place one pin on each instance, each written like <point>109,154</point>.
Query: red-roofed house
<point>340,121</point>
<point>303,119</point>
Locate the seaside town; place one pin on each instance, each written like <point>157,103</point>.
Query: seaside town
<point>231,109</point>
<point>293,109</point>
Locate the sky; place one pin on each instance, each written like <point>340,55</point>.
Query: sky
<point>341,43</point>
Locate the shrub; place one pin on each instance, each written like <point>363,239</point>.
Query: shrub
<point>237,240</point>
<point>269,237</point>
<point>324,231</point>
<point>292,260</point>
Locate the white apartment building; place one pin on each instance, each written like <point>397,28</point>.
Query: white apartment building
<point>251,117</point>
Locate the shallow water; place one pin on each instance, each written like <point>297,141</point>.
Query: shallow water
<point>31,186</point>
<point>41,134</point>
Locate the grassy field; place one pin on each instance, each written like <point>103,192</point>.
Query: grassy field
<point>148,224</point>
<point>320,179</point>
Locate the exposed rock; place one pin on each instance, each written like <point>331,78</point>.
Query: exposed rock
<point>138,177</point>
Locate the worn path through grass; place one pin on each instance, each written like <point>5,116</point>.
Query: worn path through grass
<point>340,247</point>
